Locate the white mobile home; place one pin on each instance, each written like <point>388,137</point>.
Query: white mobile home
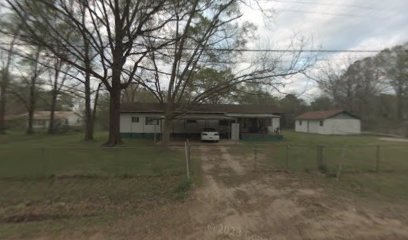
<point>61,118</point>
<point>41,119</point>
<point>338,122</point>
<point>231,121</point>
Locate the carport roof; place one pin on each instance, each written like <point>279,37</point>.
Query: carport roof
<point>202,108</point>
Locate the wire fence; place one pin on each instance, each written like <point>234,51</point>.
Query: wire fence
<point>332,160</point>
<point>184,160</point>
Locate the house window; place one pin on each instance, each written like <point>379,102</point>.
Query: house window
<point>152,121</point>
<point>300,122</point>
<point>191,121</point>
<point>223,122</point>
<point>135,119</point>
<point>321,123</point>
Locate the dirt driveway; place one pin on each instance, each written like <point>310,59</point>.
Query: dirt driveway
<point>234,202</point>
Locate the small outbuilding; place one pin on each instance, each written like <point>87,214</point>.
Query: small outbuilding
<point>336,121</point>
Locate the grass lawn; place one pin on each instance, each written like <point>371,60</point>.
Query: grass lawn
<point>58,183</point>
<point>354,157</point>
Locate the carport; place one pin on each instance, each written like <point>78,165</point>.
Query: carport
<point>191,125</point>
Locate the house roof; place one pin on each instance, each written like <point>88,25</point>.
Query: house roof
<point>320,115</point>
<point>202,108</point>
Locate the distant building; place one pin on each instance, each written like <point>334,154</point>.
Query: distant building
<point>328,122</point>
<point>41,119</point>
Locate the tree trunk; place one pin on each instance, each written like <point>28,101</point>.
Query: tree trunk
<point>54,96</point>
<point>30,117</point>
<point>5,82</point>
<point>89,123</point>
<point>400,104</point>
<point>114,113</point>
<point>166,131</point>
<point>32,96</point>
<point>31,106</point>
<point>3,99</point>
<point>51,127</point>
<point>168,120</point>
<point>95,105</point>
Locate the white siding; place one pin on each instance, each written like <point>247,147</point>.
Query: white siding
<point>301,125</point>
<point>127,126</point>
<point>338,125</point>
<point>342,126</point>
<point>74,120</point>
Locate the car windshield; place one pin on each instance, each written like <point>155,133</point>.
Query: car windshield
<point>209,130</point>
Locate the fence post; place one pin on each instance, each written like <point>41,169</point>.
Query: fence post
<point>255,158</point>
<point>320,159</point>
<point>287,157</point>
<point>187,153</point>
<point>340,166</point>
<point>377,162</point>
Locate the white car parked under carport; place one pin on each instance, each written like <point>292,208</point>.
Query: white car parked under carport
<point>210,134</point>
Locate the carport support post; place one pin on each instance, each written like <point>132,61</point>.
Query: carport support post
<point>154,136</point>
<point>187,152</point>
<point>255,158</point>
<point>377,162</point>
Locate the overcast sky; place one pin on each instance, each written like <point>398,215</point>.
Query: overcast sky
<point>332,24</point>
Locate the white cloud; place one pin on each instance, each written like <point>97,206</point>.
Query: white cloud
<point>348,24</point>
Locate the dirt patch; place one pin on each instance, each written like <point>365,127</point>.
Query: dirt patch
<point>231,162</point>
<point>277,206</point>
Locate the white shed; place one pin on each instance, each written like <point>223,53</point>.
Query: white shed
<point>339,122</point>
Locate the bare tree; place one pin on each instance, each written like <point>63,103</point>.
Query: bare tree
<point>206,33</point>
<point>354,86</point>
<point>114,30</point>
<point>394,63</point>
<point>5,72</point>
<point>58,78</point>
<point>26,92</point>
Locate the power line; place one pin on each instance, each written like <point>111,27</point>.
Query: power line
<point>325,13</point>
<point>258,50</point>
<point>327,4</point>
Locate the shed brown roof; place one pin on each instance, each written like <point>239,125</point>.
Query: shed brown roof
<point>202,108</point>
<point>319,115</point>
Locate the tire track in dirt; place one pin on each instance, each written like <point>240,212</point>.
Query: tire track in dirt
<point>276,206</point>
